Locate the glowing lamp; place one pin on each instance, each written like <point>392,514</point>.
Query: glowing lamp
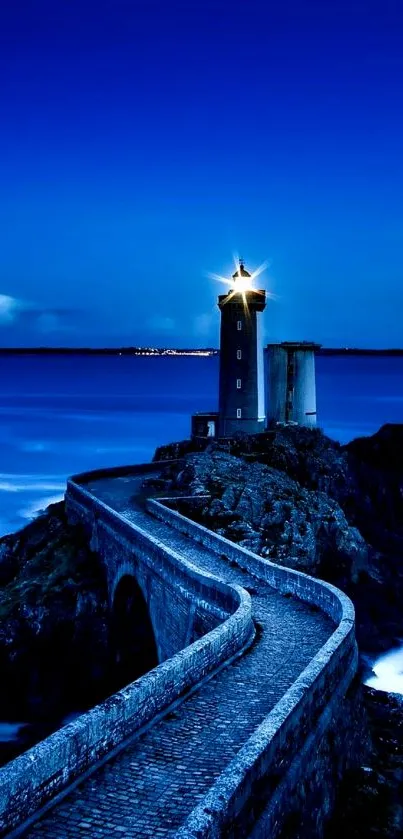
<point>241,279</point>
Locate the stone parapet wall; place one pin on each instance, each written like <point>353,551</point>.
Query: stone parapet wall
<point>122,471</point>
<point>34,778</point>
<point>325,596</point>
<point>295,745</point>
<point>125,548</point>
<point>299,749</point>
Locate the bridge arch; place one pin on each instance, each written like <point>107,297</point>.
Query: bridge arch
<point>133,640</point>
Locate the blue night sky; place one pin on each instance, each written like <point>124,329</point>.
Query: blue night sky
<point>144,143</point>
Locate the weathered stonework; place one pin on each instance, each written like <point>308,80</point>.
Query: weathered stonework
<point>30,780</point>
<point>291,743</point>
<point>271,768</point>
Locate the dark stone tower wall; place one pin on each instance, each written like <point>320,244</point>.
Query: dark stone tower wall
<point>249,397</point>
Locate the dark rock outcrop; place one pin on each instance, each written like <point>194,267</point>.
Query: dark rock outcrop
<point>267,511</point>
<point>370,800</point>
<point>55,653</point>
<point>331,510</point>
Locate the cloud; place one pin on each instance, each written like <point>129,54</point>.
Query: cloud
<point>159,323</point>
<point>34,317</point>
<point>9,308</point>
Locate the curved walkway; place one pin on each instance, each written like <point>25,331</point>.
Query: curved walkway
<point>151,786</point>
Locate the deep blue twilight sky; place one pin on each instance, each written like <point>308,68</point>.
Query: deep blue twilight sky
<point>143,142</point>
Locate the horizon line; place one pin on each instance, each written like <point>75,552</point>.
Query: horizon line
<point>152,350</point>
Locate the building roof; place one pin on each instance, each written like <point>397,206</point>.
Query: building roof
<point>295,345</point>
<point>241,272</point>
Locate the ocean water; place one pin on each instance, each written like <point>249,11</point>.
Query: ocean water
<point>65,414</point>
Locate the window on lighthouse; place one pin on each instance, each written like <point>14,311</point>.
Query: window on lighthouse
<point>239,325</point>
<point>238,384</point>
<point>239,354</point>
<point>238,413</point>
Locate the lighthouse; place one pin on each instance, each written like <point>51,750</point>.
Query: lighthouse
<point>241,384</point>
<point>290,370</point>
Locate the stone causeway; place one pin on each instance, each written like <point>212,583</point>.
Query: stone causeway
<point>227,751</point>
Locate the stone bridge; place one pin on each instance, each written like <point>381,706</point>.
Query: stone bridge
<point>243,728</point>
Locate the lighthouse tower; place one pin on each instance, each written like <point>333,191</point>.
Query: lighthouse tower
<point>241,395</point>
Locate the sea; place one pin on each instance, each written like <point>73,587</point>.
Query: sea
<point>62,414</point>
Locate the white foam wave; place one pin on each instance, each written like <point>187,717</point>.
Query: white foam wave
<point>388,672</point>
<point>30,476</point>
<point>9,731</point>
<point>18,486</point>
<point>39,506</point>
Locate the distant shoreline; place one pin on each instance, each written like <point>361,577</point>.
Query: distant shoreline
<point>138,351</point>
<point>164,352</point>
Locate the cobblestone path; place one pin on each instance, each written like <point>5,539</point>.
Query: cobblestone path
<point>149,788</point>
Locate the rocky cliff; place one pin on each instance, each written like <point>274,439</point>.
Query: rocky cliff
<point>55,651</point>
<point>299,498</point>
<point>370,800</point>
